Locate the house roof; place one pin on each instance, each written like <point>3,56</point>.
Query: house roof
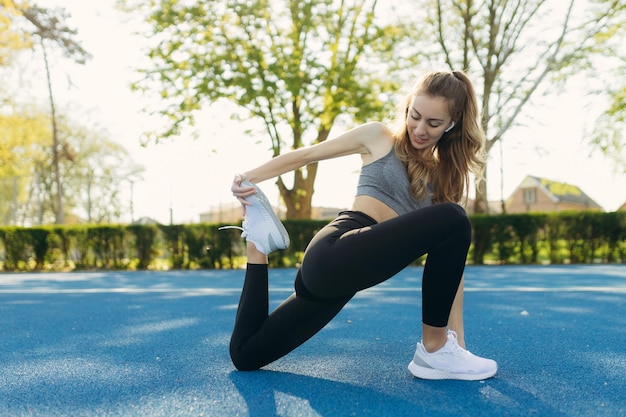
<point>145,220</point>
<point>560,191</point>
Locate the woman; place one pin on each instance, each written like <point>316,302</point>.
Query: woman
<point>412,178</point>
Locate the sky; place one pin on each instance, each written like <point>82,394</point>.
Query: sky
<point>184,177</point>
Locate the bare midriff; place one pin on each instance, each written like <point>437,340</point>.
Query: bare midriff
<point>374,208</point>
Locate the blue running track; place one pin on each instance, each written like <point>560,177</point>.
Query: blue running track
<point>156,344</point>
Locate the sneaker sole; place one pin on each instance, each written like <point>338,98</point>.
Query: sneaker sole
<point>436,374</point>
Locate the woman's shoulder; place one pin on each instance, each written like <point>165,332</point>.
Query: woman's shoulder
<point>378,139</point>
<point>376,129</point>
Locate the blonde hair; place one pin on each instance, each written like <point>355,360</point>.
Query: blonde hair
<point>458,153</point>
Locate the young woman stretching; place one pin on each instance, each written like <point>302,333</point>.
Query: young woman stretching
<point>413,175</point>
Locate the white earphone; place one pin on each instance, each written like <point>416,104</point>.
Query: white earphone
<point>449,128</point>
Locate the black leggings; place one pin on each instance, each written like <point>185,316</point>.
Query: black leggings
<point>350,254</point>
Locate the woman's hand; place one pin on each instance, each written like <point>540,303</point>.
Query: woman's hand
<point>242,192</point>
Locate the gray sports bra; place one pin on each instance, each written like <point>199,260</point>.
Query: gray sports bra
<point>387,180</point>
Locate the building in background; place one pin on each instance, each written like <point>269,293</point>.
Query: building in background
<point>536,194</point>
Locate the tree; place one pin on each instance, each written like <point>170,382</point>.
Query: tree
<point>297,66</point>
<point>99,173</point>
<point>608,138</point>
<point>513,48</point>
<point>11,40</point>
<point>608,133</point>
<point>50,27</point>
<point>95,171</point>
<point>21,134</point>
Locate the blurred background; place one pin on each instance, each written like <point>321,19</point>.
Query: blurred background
<point>554,102</point>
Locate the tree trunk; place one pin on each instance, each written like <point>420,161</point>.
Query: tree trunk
<point>481,203</point>
<point>60,215</point>
<point>299,198</point>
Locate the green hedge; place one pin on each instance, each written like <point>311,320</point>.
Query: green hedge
<point>556,238</point>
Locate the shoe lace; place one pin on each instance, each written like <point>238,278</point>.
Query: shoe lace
<point>244,234</point>
<point>455,346</point>
<point>230,227</point>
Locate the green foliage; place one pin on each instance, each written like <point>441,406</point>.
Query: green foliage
<point>24,248</point>
<point>556,238</point>
<point>224,247</point>
<point>300,233</point>
<point>91,163</point>
<point>196,238</point>
<point>291,63</point>
<point>295,66</point>
<point>41,150</point>
<point>76,238</point>
<point>174,244</point>
<point>57,255</point>
<point>23,141</point>
<point>482,228</point>
<point>608,136</point>
<point>614,228</point>
<point>50,24</point>
<point>40,244</point>
<point>586,233</point>
<point>144,243</point>
<point>514,50</point>
<point>527,229</point>
<point>16,242</point>
<point>11,39</point>
<point>108,245</point>
<point>572,237</point>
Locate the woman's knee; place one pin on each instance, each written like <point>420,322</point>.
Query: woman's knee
<point>455,211</point>
<point>243,362</point>
<point>457,218</point>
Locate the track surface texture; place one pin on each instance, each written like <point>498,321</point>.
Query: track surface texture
<point>156,344</point>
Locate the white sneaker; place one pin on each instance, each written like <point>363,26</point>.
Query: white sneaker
<point>261,226</point>
<point>451,362</point>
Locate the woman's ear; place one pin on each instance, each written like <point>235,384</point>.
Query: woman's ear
<point>449,127</point>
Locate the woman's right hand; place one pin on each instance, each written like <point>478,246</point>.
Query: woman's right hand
<point>241,192</point>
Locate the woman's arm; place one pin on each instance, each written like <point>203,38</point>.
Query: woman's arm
<point>371,140</point>
<point>358,140</point>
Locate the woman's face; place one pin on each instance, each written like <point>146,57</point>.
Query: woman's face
<point>426,121</point>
